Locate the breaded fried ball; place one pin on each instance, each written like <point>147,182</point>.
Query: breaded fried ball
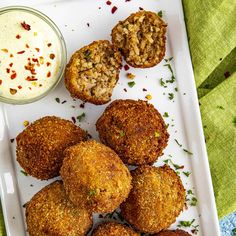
<point>93,72</point>
<point>95,177</point>
<point>141,39</point>
<point>40,146</point>
<point>114,229</point>
<point>135,130</point>
<point>156,199</point>
<point>51,213</point>
<point>177,232</point>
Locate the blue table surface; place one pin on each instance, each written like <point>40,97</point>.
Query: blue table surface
<point>228,224</point>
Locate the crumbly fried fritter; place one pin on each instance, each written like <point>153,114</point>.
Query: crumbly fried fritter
<point>135,130</point>
<point>51,213</point>
<point>177,232</point>
<point>114,229</point>
<point>141,39</point>
<point>95,177</point>
<point>40,146</point>
<point>156,199</point>
<point>93,72</point>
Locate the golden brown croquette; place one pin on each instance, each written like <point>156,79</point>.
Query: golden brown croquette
<point>40,146</point>
<point>141,39</point>
<point>51,213</point>
<point>95,177</point>
<point>156,199</point>
<point>135,130</point>
<point>93,72</point>
<point>177,232</point>
<point>114,229</point>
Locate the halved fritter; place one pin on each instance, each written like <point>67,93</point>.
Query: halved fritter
<point>177,232</point>
<point>141,39</point>
<point>93,72</point>
<point>51,213</point>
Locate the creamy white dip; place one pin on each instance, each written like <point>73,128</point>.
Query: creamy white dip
<point>30,55</point>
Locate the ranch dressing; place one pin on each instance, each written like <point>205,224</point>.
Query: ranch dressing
<point>30,55</point>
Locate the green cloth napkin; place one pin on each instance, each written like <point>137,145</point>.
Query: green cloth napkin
<point>211,27</point>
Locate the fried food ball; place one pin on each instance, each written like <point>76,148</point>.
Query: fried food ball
<point>135,130</point>
<point>95,177</point>
<point>93,72</point>
<point>51,213</point>
<point>177,232</point>
<point>114,229</point>
<point>141,39</point>
<point>156,199</point>
<point>40,146</point>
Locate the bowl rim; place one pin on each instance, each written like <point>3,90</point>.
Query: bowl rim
<point>63,55</point>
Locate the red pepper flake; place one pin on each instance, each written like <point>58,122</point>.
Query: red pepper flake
<point>8,70</point>
<point>31,78</point>
<point>21,52</point>
<point>25,26</point>
<point>35,60</point>
<point>40,85</point>
<point>144,90</point>
<point>13,76</point>
<point>227,74</point>
<point>27,45</point>
<point>52,56</point>
<point>18,36</point>
<point>37,49</point>
<point>11,64</point>
<point>48,74</point>
<point>11,55</point>
<point>48,64</point>
<point>140,8</point>
<point>12,140</point>
<point>0,82</point>
<point>82,105</point>
<point>108,2</point>
<point>30,88</point>
<point>126,67</point>
<point>19,87</point>
<point>114,9</point>
<point>4,50</point>
<point>73,119</point>
<point>49,44</point>
<point>13,91</point>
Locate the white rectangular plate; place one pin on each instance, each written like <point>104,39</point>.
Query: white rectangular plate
<point>184,116</point>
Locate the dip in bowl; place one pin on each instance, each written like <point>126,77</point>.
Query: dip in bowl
<point>32,55</point>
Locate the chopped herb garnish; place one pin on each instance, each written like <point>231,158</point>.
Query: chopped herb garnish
<point>122,133</point>
<point>234,232</point>
<point>162,83</point>
<point>177,167</point>
<point>24,173</point>
<point>193,201</point>
<point>166,161</point>
<point>171,96</point>
<point>189,191</point>
<point>186,173</point>
<point>165,114</point>
<point>178,143</point>
<point>131,84</point>
<point>92,192</point>
<point>234,120</point>
<point>80,117</point>
<point>185,150</point>
<point>57,100</point>
<point>160,13</point>
<point>176,89</point>
<point>186,223</point>
<point>220,107</point>
<point>157,134</point>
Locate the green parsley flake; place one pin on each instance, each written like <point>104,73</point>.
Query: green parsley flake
<point>171,96</point>
<point>220,107</point>
<point>234,120</point>
<point>176,89</point>
<point>131,84</point>
<point>92,192</point>
<point>234,232</point>
<point>193,201</point>
<point>166,161</point>
<point>80,117</point>
<point>160,13</point>
<point>185,150</point>
<point>186,223</point>
<point>24,173</point>
<point>190,192</point>
<point>57,100</point>
<point>157,134</point>
<point>186,173</point>
<point>122,133</point>
<point>178,143</point>
<point>165,114</point>
<point>162,83</point>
